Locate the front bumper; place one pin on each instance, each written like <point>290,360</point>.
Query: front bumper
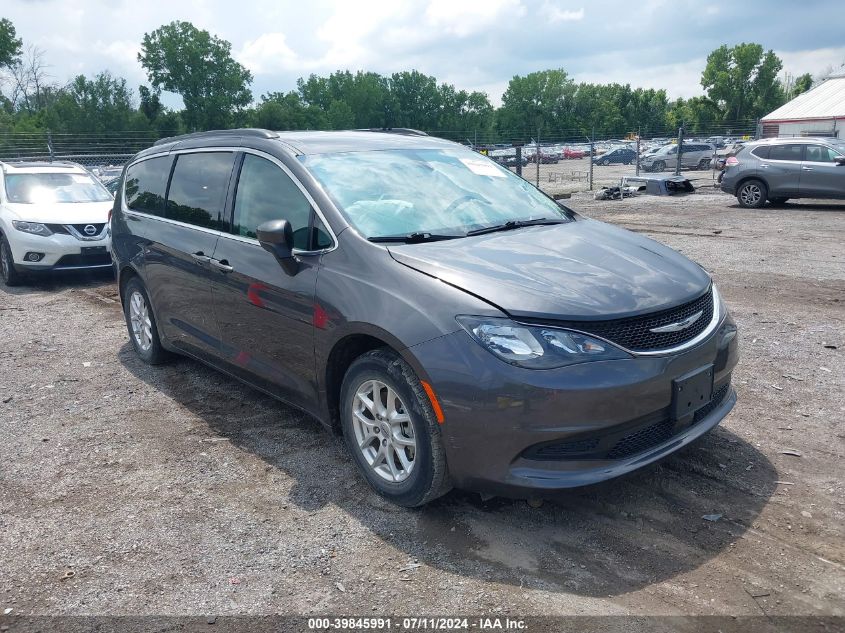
<point>518,432</point>
<point>61,252</point>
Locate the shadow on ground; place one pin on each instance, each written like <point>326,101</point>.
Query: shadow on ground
<point>607,540</point>
<point>62,280</point>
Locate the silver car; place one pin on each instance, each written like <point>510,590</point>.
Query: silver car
<point>694,155</point>
<point>782,168</point>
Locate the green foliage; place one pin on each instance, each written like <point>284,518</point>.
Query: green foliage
<point>742,81</point>
<point>180,58</point>
<point>10,45</point>
<point>802,84</point>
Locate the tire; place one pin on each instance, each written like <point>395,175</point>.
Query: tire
<point>423,476</point>
<point>777,202</point>
<point>11,277</point>
<point>136,304</point>
<point>605,162</point>
<point>703,164</point>
<point>752,194</point>
<point>658,165</point>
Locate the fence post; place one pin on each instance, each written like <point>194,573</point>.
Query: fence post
<point>50,144</point>
<point>680,150</point>
<point>518,147</point>
<point>638,152</point>
<point>537,158</point>
<point>592,157</point>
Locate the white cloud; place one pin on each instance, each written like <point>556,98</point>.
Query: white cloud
<point>555,14</point>
<point>268,53</point>
<point>814,62</point>
<point>470,16</point>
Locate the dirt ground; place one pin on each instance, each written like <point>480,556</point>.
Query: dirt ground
<point>127,489</point>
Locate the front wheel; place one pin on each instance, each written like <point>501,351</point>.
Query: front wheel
<point>392,431</point>
<point>751,194</point>
<point>659,165</point>
<point>141,323</point>
<point>11,277</point>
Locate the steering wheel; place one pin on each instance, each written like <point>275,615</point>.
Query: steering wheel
<point>457,202</point>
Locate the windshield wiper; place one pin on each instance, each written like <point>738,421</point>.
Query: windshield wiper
<point>516,224</point>
<point>414,238</point>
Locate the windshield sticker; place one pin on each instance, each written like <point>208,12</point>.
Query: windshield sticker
<point>483,167</point>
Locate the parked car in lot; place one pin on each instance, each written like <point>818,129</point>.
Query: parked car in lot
<point>456,324</point>
<point>694,155</point>
<point>618,155</point>
<point>570,153</point>
<point>783,168</point>
<point>53,216</point>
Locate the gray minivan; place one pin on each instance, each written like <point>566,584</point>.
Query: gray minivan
<point>457,325</point>
<point>778,169</point>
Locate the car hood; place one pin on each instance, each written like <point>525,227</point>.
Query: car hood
<point>63,213</point>
<point>580,270</point>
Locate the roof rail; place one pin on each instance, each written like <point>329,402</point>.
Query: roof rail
<point>407,131</point>
<point>246,131</point>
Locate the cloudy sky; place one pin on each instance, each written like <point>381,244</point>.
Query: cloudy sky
<point>474,44</point>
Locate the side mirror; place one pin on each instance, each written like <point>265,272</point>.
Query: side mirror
<point>276,237</point>
<point>840,161</point>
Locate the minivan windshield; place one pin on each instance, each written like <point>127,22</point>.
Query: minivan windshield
<point>54,188</point>
<point>438,191</point>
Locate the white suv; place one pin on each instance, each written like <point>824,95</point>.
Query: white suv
<point>53,216</point>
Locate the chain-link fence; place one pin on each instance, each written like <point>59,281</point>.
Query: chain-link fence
<point>559,163</point>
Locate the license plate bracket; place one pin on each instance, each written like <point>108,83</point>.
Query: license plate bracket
<point>692,391</point>
<point>94,250</point>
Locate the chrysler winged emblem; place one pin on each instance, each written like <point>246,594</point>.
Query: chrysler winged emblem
<point>677,326</point>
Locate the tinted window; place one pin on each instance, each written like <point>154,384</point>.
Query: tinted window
<point>266,193</point>
<point>761,152</point>
<point>819,154</point>
<point>198,188</point>
<point>146,183</point>
<point>785,152</point>
<point>320,236</point>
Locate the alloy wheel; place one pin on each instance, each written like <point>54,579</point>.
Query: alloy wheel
<point>139,317</point>
<point>751,194</point>
<point>384,431</point>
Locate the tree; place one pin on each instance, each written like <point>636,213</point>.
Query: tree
<point>180,58</point>
<point>802,84</point>
<point>742,81</point>
<point>10,46</point>
<point>30,86</point>
<point>540,100</point>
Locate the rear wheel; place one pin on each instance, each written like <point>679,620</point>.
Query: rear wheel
<point>11,277</point>
<point>391,430</point>
<point>141,323</point>
<point>751,194</point>
<point>605,162</point>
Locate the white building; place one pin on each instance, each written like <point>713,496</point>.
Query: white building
<point>818,112</point>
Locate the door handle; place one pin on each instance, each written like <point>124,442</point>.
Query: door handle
<point>764,165</point>
<point>221,264</point>
<point>807,168</point>
<point>200,257</point>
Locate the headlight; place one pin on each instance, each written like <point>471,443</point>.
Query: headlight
<point>537,347</point>
<point>32,227</point>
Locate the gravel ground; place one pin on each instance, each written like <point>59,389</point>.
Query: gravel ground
<point>126,489</point>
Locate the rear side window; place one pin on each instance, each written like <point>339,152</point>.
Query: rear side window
<point>266,193</point>
<point>198,188</point>
<point>146,184</point>
<point>785,152</point>
<point>761,152</point>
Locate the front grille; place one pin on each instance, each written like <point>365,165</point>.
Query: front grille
<point>80,228</point>
<point>101,259</point>
<point>634,333</point>
<point>648,431</point>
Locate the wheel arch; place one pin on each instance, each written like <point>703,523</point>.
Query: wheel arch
<point>343,352</point>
